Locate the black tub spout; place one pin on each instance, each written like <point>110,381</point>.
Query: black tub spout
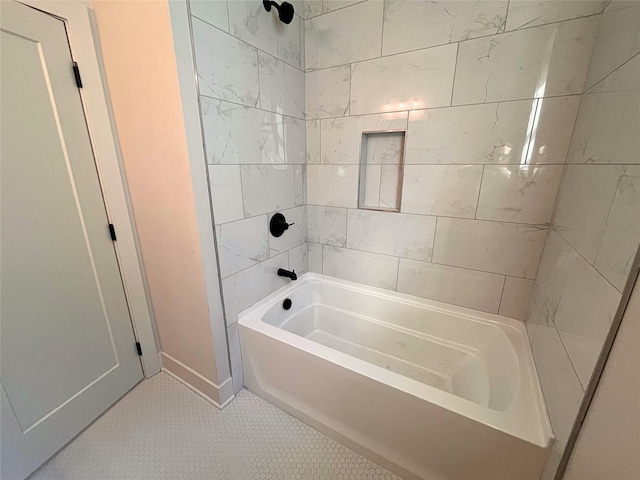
<point>286,273</point>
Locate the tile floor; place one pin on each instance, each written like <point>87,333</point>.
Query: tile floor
<point>162,430</point>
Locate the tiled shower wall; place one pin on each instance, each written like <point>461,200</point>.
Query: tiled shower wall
<point>596,230</point>
<point>252,101</point>
<point>488,93</point>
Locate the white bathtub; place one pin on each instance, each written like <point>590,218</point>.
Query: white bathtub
<point>426,389</point>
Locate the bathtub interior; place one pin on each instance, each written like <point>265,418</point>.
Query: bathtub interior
<point>458,354</point>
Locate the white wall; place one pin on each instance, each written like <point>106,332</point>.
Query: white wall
<point>252,103</point>
<point>609,441</point>
<point>596,228</point>
<point>488,94</point>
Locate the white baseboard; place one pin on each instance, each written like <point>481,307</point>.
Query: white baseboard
<point>219,395</point>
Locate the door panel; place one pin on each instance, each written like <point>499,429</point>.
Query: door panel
<point>67,345</point>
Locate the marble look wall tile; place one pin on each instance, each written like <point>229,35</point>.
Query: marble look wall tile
<point>489,133</point>
<point>449,190</point>
<point>242,244</point>
<point>421,79</point>
<point>618,41</point>
<point>515,297</point>
<point>519,193</point>
<point>295,140</point>
<point>331,5</point>
<point>295,235</point>
<point>245,288</point>
<point>527,13</point>
<point>557,260</point>
<point>458,286</point>
<point>506,248</point>
<point>541,61</point>
<point>327,225</point>
<point>227,67</point>
<point>409,236</point>
<point>313,141</point>
<point>405,27</point>
<point>327,92</point>
<point>249,21</point>
<point>333,185</point>
<point>312,8</point>
<point>622,231</point>
<point>235,355</point>
<point>269,188</point>
<point>214,13</point>
<point>314,254</point>
<point>341,138</point>
<point>226,193</point>
<point>561,388</point>
<point>234,134</point>
<point>551,133</point>
<point>281,86</point>
<point>588,302</point>
<point>350,35</point>
<point>586,196</point>
<point>298,259</point>
<point>362,267</point>
<point>583,353</point>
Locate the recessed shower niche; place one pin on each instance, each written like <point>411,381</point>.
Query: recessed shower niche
<point>381,167</point>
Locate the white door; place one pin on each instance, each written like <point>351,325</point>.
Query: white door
<point>67,349</point>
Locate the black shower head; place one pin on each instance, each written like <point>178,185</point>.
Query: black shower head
<point>285,10</point>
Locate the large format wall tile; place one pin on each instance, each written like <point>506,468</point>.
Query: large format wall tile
<point>362,267</point>
<point>327,92</point>
<point>314,257</point>
<point>519,193</point>
<point>226,193</point>
<point>588,302</point>
<point>235,134</point>
<point>281,86</point>
<point>516,295</point>
<point>449,190</point>
<point>341,137</point>
<point>245,288</point>
<point>622,231</point>
<point>421,79</point>
<point>459,286</point>
<point>214,13</point>
<point>249,21</point>
<point>295,133</point>
<point>551,129</point>
<point>506,248</point>
<point>313,141</point>
<point>529,13</point>
<point>409,236</point>
<point>490,133</point>
<point>540,61</point>
<point>411,24</point>
<point>298,259</point>
<point>242,244</point>
<point>586,196</point>
<point>327,225</point>
<point>227,67</point>
<point>350,35</point>
<point>618,39</point>
<point>269,188</point>
<point>332,5</point>
<point>333,185</point>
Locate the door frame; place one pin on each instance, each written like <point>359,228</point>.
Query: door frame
<point>82,35</point>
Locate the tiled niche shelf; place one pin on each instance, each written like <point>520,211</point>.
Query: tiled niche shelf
<point>381,167</point>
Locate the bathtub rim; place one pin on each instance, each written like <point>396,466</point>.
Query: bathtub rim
<point>542,437</point>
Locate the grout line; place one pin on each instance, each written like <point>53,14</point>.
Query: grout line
<point>250,106</point>
<point>475,216</point>
<point>366,114</point>
<point>504,284</point>
<point>455,71</point>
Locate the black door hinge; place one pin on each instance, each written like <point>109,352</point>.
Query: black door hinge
<point>76,73</point>
<point>112,232</point>
<point>139,348</point>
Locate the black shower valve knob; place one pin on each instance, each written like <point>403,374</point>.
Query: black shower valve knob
<point>278,225</point>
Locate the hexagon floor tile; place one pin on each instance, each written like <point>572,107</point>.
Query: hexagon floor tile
<point>162,430</point>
